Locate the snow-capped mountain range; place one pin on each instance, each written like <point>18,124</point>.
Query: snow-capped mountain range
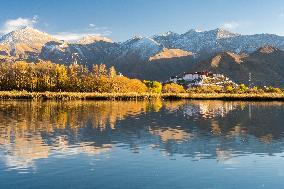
<point>218,40</point>
<point>154,57</point>
<point>31,43</point>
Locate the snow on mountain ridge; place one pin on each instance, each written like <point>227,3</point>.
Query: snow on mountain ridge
<point>221,33</point>
<point>198,42</point>
<point>145,47</point>
<point>26,35</point>
<point>26,42</point>
<point>218,40</point>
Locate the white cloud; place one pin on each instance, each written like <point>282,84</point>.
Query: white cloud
<point>18,23</point>
<point>92,29</point>
<point>69,36</point>
<point>230,25</point>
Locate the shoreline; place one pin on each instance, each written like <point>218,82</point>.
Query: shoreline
<point>7,95</point>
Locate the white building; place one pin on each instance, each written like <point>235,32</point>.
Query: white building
<point>190,77</point>
<point>201,79</point>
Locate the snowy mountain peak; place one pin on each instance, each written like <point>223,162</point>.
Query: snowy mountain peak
<point>132,40</point>
<point>169,33</point>
<point>222,33</point>
<point>29,42</point>
<point>141,42</point>
<point>136,37</point>
<point>217,33</point>
<point>143,46</point>
<point>193,31</point>
<point>26,35</point>
<point>25,42</point>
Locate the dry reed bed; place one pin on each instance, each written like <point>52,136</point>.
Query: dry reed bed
<point>137,96</point>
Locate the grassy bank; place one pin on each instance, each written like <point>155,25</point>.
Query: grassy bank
<point>76,95</point>
<point>226,96</point>
<point>137,96</point>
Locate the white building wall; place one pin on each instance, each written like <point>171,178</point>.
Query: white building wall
<point>190,77</point>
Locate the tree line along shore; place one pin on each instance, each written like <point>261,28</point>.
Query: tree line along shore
<point>46,80</point>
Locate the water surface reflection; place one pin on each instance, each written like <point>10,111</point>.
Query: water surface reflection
<point>33,133</point>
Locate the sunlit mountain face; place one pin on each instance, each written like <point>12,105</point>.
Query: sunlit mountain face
<point>158,57</point>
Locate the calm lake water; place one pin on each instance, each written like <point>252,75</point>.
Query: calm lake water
<point>158,144</point>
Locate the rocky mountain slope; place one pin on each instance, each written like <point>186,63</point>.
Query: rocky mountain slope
<point>160,56</point>
<point>170,53</point>
<point>265,66</point>
<point>25,43</point>
<point>29,42</point>
<point>218,40</point>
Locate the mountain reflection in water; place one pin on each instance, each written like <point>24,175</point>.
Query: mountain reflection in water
<point>221,130</point>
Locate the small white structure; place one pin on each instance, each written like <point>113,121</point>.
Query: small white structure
<point>200,79</point>
<point>190,77</point>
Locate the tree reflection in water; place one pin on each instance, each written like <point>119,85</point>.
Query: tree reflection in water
<point>32,130</point>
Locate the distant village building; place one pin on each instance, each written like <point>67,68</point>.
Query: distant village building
<point>193,77</point>
<point>200,79</point>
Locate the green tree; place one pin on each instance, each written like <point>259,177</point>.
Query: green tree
<point>229,89</point>
<point>271,89</point>
<point>242,88</point>
<point>153,86</point>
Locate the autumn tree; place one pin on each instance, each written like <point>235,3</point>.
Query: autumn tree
<point>47,76</point>
<point>61,76</point>
<point>112,72</point>
<point>173,88</point>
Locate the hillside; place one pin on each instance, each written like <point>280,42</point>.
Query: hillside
<point>29,42</point>
<point>266,66</point>
<point>160,56</point>
<point>170,53</point>
<point>25,43</point>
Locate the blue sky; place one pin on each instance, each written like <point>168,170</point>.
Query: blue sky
<point>122,19</point>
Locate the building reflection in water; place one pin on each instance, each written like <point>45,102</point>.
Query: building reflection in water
<point>32,130</point>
